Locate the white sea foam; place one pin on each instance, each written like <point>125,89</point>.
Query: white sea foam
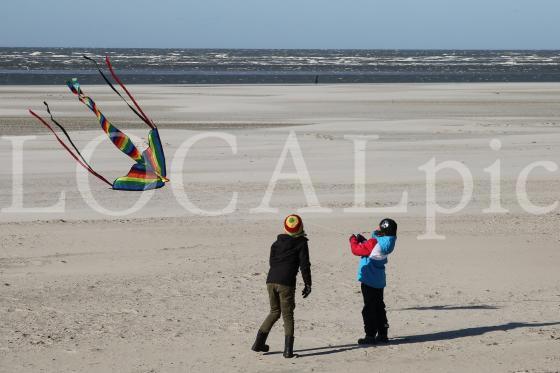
<point>442,64</point>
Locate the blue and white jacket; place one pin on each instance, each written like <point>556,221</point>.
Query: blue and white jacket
<point>373,253</point>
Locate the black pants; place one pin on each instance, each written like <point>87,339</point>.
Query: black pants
<point>375,318</point>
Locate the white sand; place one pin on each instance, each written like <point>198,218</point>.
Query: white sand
<point>164,290</point>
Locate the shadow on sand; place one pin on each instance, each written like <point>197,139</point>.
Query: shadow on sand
<point>450,308</point>
<point>419,338</point>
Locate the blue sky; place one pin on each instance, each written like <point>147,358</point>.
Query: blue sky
<point>392,24</point>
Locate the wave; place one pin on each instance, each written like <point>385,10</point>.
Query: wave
<point>400,65</point>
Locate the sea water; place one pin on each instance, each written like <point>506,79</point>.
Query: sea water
<point>285,66</point>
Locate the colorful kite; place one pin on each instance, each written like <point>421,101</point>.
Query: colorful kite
<point>149,171</point>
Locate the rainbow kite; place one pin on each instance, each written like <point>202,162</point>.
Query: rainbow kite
<point>149,170</point>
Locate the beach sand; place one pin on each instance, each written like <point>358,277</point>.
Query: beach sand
<point>166,290</point>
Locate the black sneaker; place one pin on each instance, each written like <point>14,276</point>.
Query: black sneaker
<point>367,340</point>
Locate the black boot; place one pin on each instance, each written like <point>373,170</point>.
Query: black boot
<point>289,347</point>
<point>367,340</point>
<point>382,335</point>
<point>259,345</point>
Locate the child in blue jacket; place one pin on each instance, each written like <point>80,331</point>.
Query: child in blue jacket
<point>371,274</point>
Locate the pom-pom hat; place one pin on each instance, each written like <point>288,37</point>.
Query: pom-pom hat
<point>293,225</point>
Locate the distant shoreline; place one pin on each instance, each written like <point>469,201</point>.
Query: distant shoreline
<point>249,78</point>
<point>40,66</point>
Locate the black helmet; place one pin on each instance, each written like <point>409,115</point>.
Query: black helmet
<point>388,227</point>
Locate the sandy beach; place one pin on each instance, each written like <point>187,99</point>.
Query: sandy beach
<point>164,289</point>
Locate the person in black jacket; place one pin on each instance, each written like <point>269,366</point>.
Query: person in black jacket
<point>288,254</point>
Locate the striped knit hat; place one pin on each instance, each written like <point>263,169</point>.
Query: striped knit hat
<point>293,225</point>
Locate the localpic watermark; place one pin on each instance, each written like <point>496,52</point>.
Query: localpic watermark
<point>292,152</point>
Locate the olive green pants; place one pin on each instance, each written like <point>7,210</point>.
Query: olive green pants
<point>282,302</point>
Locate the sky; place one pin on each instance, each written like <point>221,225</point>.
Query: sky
<point>321,24</point>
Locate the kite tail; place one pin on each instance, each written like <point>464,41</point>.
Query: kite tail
<point>142,117</point>
<point>81,161</point>
<point>117,137</point>
<point>67,135</point>
<point>147,120</point>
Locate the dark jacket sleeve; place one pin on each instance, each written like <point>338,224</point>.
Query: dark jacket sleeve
<point>271,252</point>
<point>304,264</point>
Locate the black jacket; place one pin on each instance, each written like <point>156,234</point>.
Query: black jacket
<point>287,255</point>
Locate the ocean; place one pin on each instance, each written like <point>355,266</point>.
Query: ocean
<point>287,66</point>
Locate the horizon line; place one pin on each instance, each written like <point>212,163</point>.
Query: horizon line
<point>318,49</point>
